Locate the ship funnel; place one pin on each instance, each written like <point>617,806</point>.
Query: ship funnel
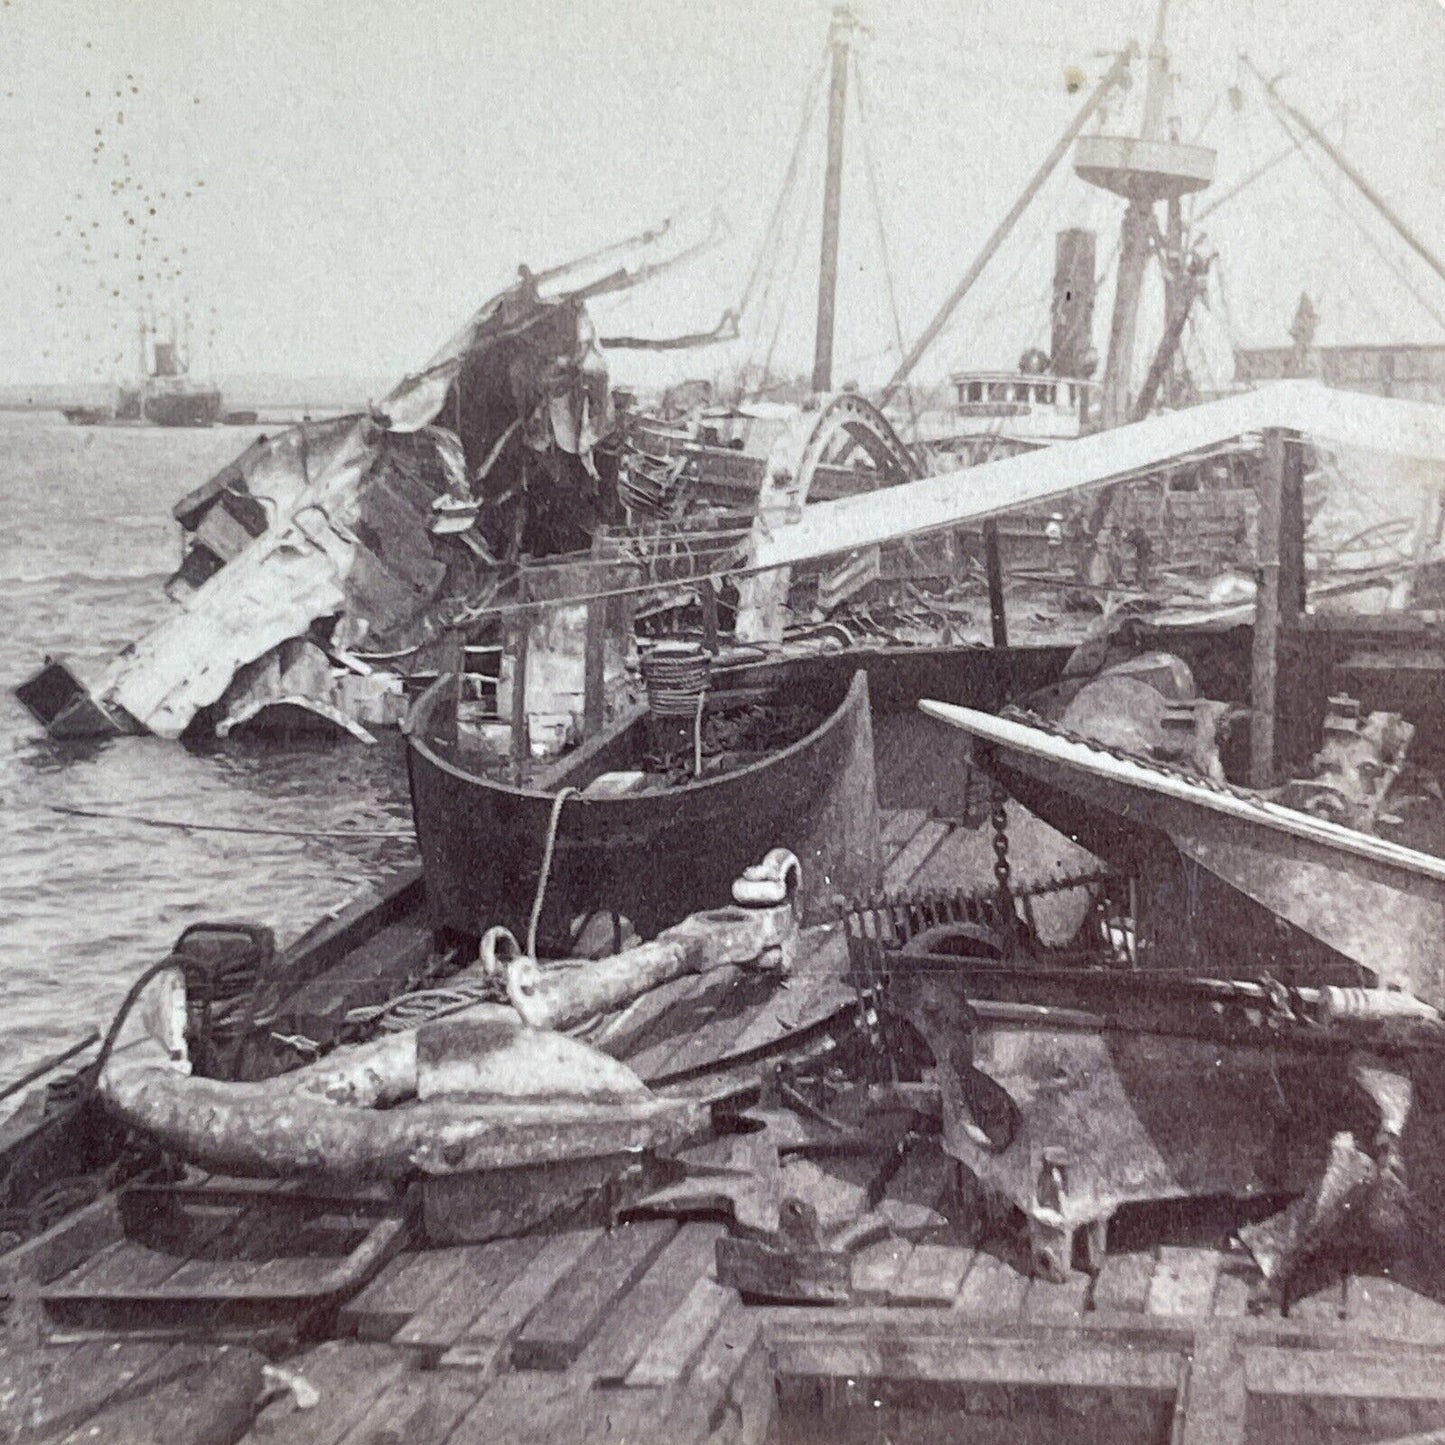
<point>1072,346</point>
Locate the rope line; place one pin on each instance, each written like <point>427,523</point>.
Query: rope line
<point>187,826</point>
<point>542,877</point>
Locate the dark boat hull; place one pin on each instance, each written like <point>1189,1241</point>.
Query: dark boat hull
<point>917,764</point>
<point>653,857</point>
<point>192,406</point>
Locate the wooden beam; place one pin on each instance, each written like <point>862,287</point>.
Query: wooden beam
<point>707,595</point>
<point>520,749</point>
<point>594,653</point>
<point>993,565</point>
<point>1279,599</point>
<point>1212,1400</point>
<point>1348,419</point>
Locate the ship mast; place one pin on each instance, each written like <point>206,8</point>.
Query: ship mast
<point>840,37</point>
<point>1145,169</point>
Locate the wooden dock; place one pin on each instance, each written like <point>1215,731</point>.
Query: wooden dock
<point>593,1334</point>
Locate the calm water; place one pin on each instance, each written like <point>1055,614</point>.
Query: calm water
<point>86,539</point>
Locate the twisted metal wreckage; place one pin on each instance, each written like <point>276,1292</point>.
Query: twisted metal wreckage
<point>331,552</point>
<point>1116,994</point>
<point>1217,996</point>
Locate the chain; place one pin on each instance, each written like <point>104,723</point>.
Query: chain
<point>1012,713</point>
<point>1001,869</point>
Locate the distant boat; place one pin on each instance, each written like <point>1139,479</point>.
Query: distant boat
<point>165,396</point>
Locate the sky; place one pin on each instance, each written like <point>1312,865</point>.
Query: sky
<point>332,188</point>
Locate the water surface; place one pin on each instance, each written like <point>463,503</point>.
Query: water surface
<point>86,541</point>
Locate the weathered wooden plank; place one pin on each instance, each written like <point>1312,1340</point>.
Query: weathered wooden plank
<point>1353,1374</point>
<point>67,1245</point>
<point>876,1267</point>
<point>912,856</point>
<point>752,1398</point>
<point>614,1349</point>
<point>725,1380</point>
<point>421,1407</point>
<point>196,1395</point>
<point>1390,1309</point>
<point>992,1287</point>
<point>121,1262</point>
<point>347,1376</point>
<point>1232,1291</point>
<point>1213,1402</point>
<point>1184,1281</point>
<point>542,1407</point>
<point>1047,1301</point>
<point>681,1336</point>
<point>235,1257</point>
<point>399,1291</point>
<point>932,1275</point>
<point>1059,1363</point>
<point>900,824</point>
<point>478,1273</point>
<point>479,1343</point>
<point>708,1026</point>
<point>570,1316</point>
<point>46,1389</point>
<point>1123,1282</point>
<point>129,1263</point>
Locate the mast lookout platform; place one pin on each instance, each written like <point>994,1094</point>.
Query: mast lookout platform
<point>1143,170</point>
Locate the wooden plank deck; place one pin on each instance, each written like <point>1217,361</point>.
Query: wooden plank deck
<point>586,1334</point>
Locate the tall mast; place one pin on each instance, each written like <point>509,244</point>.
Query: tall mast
<point>1144,169</point>
<point>1134,243</point>
<point>839,38</point>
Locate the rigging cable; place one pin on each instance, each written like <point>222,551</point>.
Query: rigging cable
<point>1391,263</point>
<point>783,303</point>
<point>778,224</point>
<point>810,101</point>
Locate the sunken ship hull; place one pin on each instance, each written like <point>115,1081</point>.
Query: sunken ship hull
<point>652,857</point>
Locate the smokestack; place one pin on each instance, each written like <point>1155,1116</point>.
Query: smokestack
<point>1072,346</point>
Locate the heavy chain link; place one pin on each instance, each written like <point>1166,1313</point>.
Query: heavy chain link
<point>1001,869</point>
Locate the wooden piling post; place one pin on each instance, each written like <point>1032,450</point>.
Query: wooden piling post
<point>1279,597</point>
<point>993,565</point>
<point>520,741</point>
<point>707,595</point>
<point>594,656</point>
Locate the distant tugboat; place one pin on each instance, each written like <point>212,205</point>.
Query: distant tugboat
<point>166,394</point>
